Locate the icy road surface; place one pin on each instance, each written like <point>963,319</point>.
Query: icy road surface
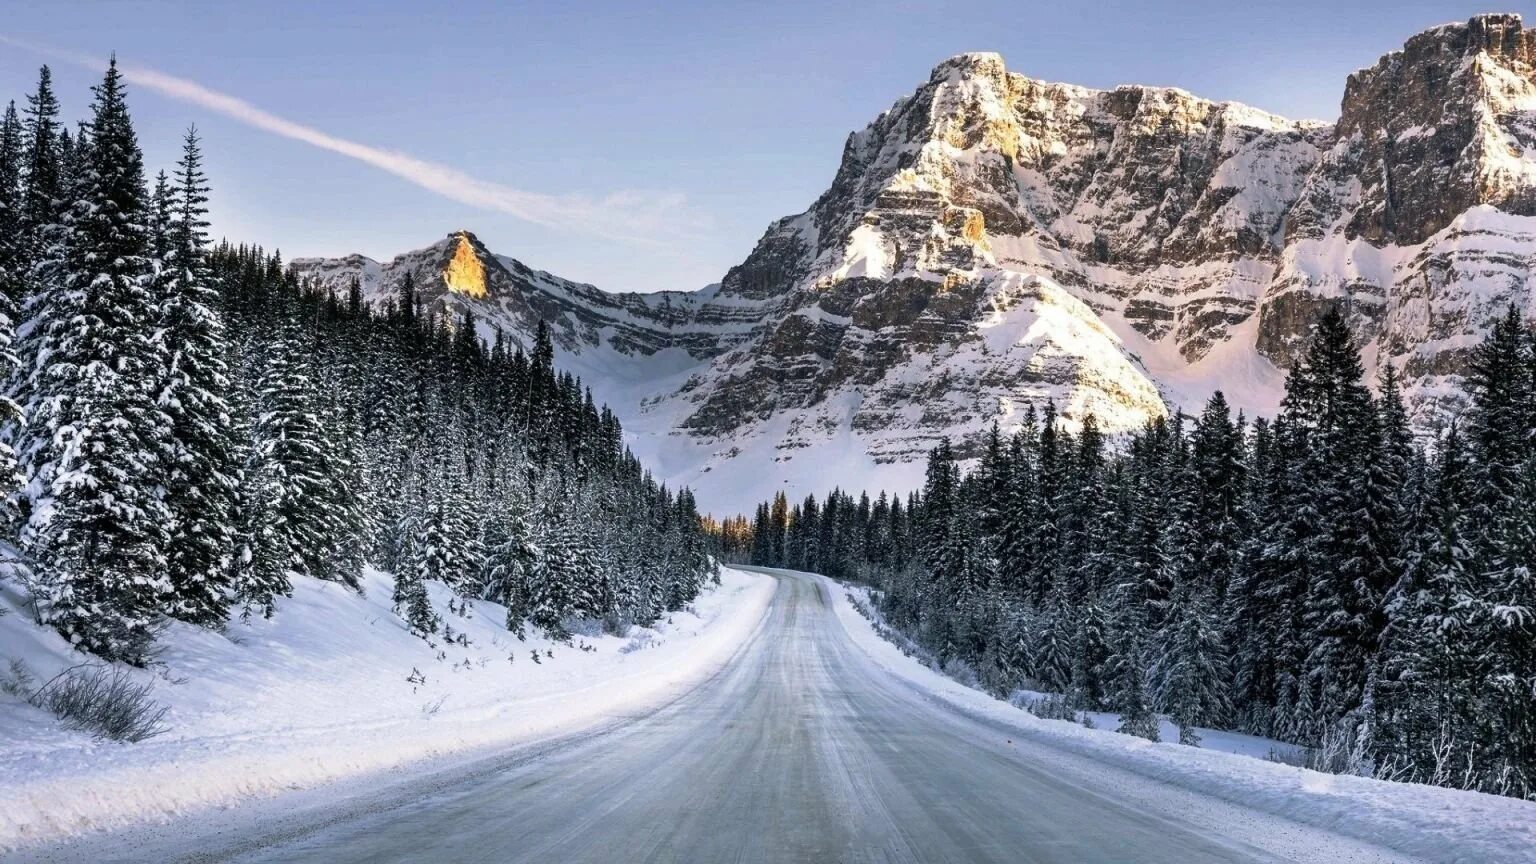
<point>800,750</point>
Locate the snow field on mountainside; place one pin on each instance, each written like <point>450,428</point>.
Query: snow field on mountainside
<point>1438,824</point>
<point>332,686</point>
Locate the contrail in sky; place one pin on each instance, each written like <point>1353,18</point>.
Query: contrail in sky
<point>640,216</point>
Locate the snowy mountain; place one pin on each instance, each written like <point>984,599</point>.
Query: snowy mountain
<point>993,240</point>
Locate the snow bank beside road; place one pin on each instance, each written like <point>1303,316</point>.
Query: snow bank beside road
<point>333,686</point>
<point>1443,825</point>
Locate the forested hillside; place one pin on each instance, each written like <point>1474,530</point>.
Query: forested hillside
<point>189,430</point>
<point>1320,578</point>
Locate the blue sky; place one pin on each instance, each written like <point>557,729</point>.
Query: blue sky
<point>642,148</point>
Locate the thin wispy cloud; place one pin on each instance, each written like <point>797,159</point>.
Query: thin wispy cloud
<point>633,215</point>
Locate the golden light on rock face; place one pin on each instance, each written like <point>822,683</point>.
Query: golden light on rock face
<point>975,227</point>
<point>465,274</point>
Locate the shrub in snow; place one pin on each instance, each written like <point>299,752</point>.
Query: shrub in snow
<point>1337,750</point>
<point>18,681</point>
<point>963,672</point>
<point>102,700</point>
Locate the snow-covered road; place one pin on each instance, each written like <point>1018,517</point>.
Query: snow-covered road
<point>803,749</point>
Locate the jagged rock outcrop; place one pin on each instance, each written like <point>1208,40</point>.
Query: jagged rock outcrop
<point>1418,217</point>
<point>993,240</point>
<point>516,297</point>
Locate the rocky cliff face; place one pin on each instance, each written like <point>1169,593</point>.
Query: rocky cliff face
<point>993,241</point>
<point>1418,216</point>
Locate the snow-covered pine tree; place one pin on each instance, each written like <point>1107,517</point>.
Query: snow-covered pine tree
<point>13,267</point>
<point>413,605</point>
<point>1126,681</point>
<point>13,252</point>
<point>799,549</point>
<point>762,550</point>
<point>1051,492</point>
<point>159,226</point>
<point>40,250</point>
<point>97,527</point>
<point>1086,543</point>
<point>290,465</point>
<point>1255,615</point>
<point>1290,560</point>
<point>1191,670</point>
<point>1052,640</point>
<point>1018,513</point>
<point>674,574</point>
<point>1137,575</point>
<point>540,418</point>
<point>698,566</point>
<point>509,561</point>
<point>43,166</point>
<point>995,475</point>
<point>405,304</point>
<point>965,565</point>
<point>1426,701</point>
<point>1125,667</point>
<point>563,574</point>
<point>422,561</point>
<point>340,520</point>
<point>1501,424</point>
<point>1359,546</point>
<point>448,547</point>
<point>260,571</point>
<point>201,474</point>
<point>778,526</point>
<point>942,557</point>
<point>1217,496</point>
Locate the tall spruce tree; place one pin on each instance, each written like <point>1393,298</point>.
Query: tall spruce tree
<point>1426,699</point>
<point>1503,596</point>
<point>13,267</point>
<point>97,526</point>
<point>1359,545</point>
<point>13,252</point>
<point>43,184</point>
<point>201,472</point>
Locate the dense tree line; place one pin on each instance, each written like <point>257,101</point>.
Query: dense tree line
<point>730,538</point>
<point>1318,578</point>
<point>190,429</point>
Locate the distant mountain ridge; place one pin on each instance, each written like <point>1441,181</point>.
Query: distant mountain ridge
<point>993,241</point>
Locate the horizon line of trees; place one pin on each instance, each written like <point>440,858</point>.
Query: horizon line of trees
<point>1318,578</point>
<point>186,429</point>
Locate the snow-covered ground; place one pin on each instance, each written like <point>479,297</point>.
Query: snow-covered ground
<point>1443,825</point>
<point>332,686</point>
